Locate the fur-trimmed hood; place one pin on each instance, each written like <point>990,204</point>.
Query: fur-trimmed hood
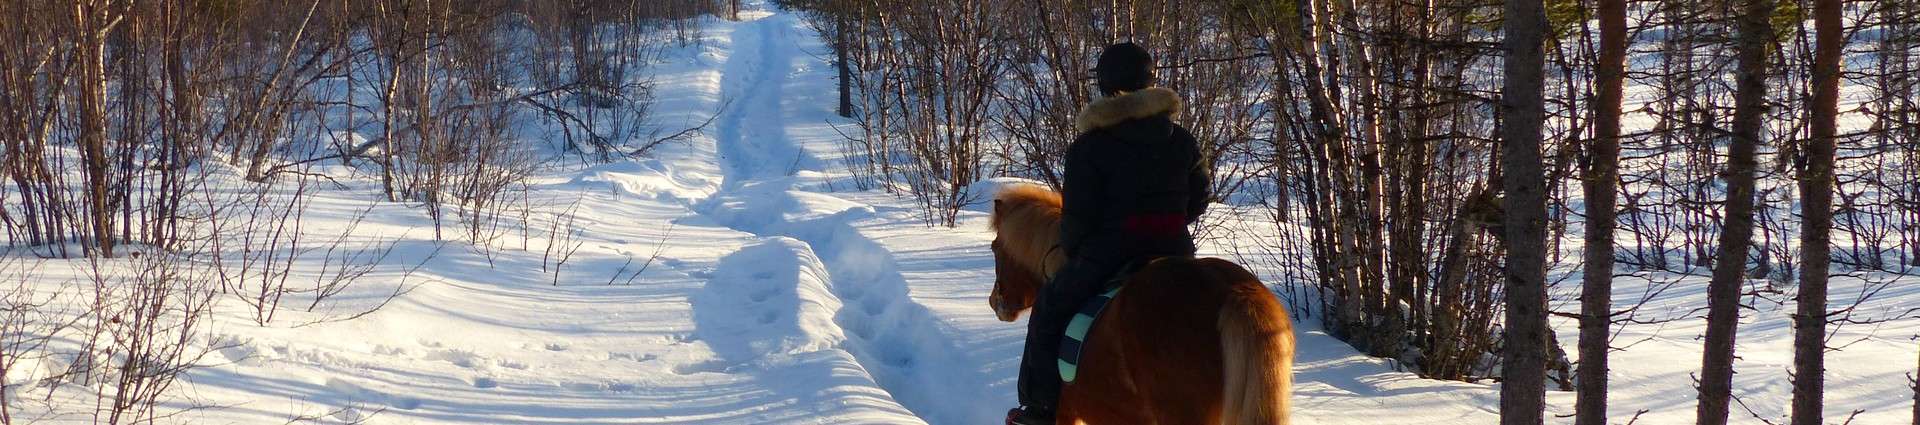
<point>1108,111</point>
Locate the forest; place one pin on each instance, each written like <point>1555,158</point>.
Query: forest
<point>1437,183</point>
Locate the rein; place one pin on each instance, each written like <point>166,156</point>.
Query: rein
<point>1043,264</point>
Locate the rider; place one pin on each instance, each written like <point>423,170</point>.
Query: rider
<point>1134,181</point>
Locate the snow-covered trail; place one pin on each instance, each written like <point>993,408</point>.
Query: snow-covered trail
<point>752,128</point>
<point>871,291</point>
<point>905,302</point>
<point>899,343</point>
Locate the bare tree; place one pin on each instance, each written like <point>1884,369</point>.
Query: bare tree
<point>845,80</point>
<point>150,332</point>
<point>563,240</point>
<point>92,20</point>
<point>1816,214</point>
<point>1603,175</point>
<point>1523,109</point>
<point>1736,233</point>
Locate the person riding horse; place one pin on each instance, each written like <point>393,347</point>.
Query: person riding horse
<point>1134,181</point>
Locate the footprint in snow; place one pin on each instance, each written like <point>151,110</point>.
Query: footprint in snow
<point>461,358</point>
<point>874,306</point>
<point>241,354</point>
<point>764,295</point>
<point>387,350</point>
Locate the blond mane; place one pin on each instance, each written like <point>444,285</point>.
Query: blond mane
<point>1026,218</point>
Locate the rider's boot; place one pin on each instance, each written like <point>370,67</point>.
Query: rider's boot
<point>1026,415</point>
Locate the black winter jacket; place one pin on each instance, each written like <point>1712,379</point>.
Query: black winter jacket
<point>1134,180</point>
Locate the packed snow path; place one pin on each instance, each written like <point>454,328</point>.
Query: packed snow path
<point>851,297</point>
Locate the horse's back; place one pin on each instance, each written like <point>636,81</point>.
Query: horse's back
<point>1156,354</point>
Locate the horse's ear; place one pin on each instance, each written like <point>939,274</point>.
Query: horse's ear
<point>997,208</point>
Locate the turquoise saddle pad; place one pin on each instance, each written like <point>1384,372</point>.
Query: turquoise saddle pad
<point>1076,335</point>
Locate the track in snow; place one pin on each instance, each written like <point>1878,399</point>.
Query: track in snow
<point>813,259</point>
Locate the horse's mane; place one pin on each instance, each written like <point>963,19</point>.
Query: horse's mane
<point>1026,217</point>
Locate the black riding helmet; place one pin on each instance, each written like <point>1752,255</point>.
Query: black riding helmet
<point>1123,67</point>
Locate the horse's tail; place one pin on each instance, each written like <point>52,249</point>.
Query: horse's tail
<point>1257,340</point>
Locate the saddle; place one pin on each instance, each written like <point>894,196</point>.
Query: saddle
<point>1076,335</point>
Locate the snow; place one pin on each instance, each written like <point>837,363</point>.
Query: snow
<point>780,296</point>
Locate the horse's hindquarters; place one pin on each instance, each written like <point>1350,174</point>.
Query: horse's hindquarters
<point>1165,348</point>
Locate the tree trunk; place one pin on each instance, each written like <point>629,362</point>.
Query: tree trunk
<point>1368,203</point>
<point>1410,258</point>
<point>1736,233</point>
<point>1596,283</point>
<point>394,33</point>
<point>1447,301</point>
<point>1816,211</point>
<point>840,62</point>
<point>1524,364</point>
<point>93,19</point>
<point>1321,74</point>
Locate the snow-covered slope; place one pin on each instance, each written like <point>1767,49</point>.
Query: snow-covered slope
<point>778,299</point>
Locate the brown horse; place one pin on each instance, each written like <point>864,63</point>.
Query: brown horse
<point>1189,341</point>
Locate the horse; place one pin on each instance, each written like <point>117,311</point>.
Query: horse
<point>1187,341</point>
